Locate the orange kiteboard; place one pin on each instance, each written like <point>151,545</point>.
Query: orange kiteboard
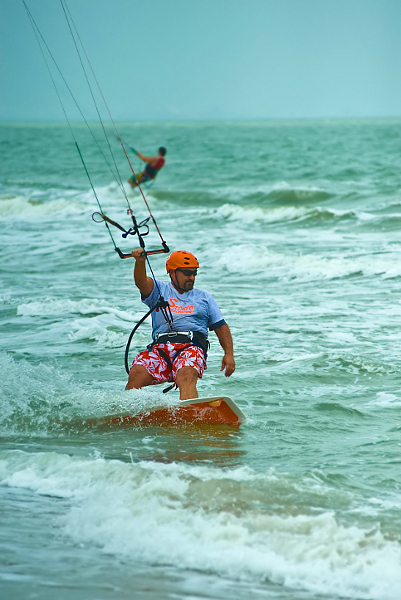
<point>217,410</point>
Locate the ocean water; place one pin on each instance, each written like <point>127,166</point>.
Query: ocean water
<point>297,229</point>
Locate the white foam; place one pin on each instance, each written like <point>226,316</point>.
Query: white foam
<point>250,258</point>
<point>209,520</point>
<point>63,306</point>
<point>281,190</point>
<point>43,397</point>
<point>386,400</point>
<point>232,212</point>
<point>97,331</point>
<point>22,208</point>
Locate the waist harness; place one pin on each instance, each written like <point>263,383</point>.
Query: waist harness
<point>189,338</point>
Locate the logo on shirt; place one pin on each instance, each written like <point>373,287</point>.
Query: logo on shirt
<point>181,310</point>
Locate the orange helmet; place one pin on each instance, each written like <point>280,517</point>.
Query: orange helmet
<point>180,259</point>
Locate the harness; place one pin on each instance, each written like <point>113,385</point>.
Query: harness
<point>189,338</point>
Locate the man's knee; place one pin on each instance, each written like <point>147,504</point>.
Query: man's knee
<point>138,377</point>
<point>186,375</point>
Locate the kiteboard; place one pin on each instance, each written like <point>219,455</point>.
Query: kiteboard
<point>216,410</point>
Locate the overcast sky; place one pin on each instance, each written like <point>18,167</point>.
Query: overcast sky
<point>207,59</point>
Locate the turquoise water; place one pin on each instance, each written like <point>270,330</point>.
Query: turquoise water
<point>297,229</point>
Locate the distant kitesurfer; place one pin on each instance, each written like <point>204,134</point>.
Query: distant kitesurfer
<point>178,356</point>
<point>153,166</point>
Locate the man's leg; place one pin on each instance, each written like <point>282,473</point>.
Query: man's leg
<point>186,379</point>
<point>138,378</point>
<point>140,178</point>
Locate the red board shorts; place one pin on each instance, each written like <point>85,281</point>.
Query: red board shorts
<point>155,364</point>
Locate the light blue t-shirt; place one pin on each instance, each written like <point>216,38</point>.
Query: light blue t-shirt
<point>195,310</point>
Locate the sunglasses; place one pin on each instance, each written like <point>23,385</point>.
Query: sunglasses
<point>188,272</point>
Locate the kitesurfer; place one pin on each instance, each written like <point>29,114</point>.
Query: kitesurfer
<point>178,354</point>
<point>153,166</point>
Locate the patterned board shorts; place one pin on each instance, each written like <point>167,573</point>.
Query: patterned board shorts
<point>157,367</point>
